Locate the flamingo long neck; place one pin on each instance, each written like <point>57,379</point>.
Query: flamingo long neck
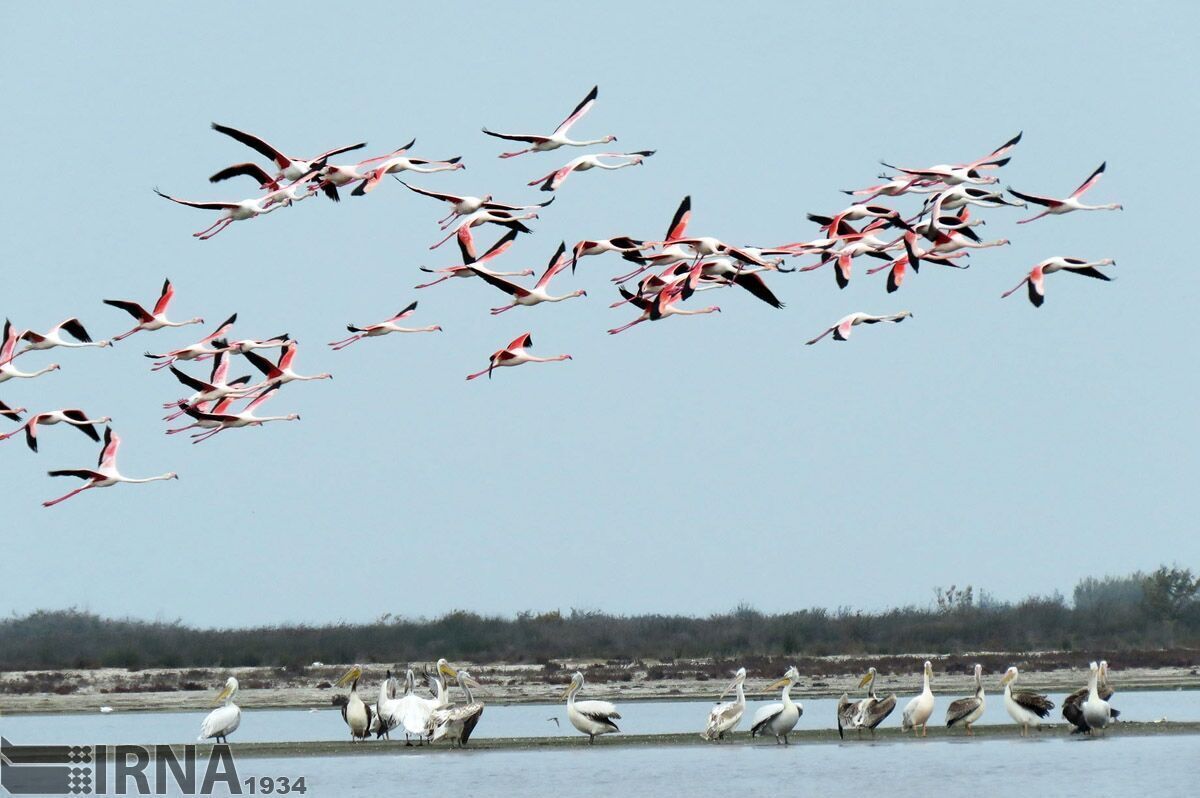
<point>1108,206</point>
<point>159,478</point>
<point>554,359</point>
<point>265,419</point>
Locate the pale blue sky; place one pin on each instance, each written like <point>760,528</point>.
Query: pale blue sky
<point>680,467</point>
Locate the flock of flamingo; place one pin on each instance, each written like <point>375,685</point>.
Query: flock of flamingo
<point>665,273</point>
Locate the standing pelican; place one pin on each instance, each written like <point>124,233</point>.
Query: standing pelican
<point>1096,712</point>
<point>593,718</point>
<point>918,710</point>
<point>1072,709</point>
<point>779,719</point>
<point>724,718</point>
<point>416,714</point>
<point>355,711</point>
<point>223,720</point>
<point>872,710</point>
<point>387,706</point>
<point>968,710</point>
<point>457,722</point>
<point>1025,707</point>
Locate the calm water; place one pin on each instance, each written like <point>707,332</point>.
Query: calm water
<point>525,720</point>
<point>1046,768</point>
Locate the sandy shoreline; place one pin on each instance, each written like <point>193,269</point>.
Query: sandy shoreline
<point>274,688</point>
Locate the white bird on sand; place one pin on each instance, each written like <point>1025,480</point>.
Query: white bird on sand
<point>355,711</point>
<point>724,718</point>
<point>1096,712</point>
<point>967,710</point>
<point>593,718</point>
<point>780,718</point>
<point>1025,707</point>
<point>224,720</point>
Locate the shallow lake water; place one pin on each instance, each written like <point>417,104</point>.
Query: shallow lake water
<point>513,720</point>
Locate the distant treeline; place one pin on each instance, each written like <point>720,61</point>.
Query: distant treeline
<point>1139,611</point>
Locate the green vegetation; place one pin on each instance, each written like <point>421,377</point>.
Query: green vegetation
<point>1136,612</point>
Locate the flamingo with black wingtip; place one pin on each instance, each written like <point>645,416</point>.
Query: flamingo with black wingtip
<point>282,372</point>
<point>384,327</point>
<point>515,354</point>
<point>553,180</point>
<point>151,321</point>
<point>73,416</point>
<point>464,205</point>
<point>1057,207</point>
<point>54,337</point>
<point>1035,280</point>
<point>528,297</point>
<point>559,137</point>
<point>105,474</point>
<point>665,304</point>
<point>8,350</point>
<point>289,168</point>
<point>197,351</point>
<point>841,330</point>
<point>466,247</point>
<point>953,174</point>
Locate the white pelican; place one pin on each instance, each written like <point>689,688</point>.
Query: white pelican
<point>1096,712</point>
<point>918,710</point>
<point>223,720</point>
<point>1025,707</point>
<point>387,706</point>
<point>415,711</point>
<point>590,717</point>
<point>355,712</point>
<point>872,710</point>
<point>846,710</point>
<point>1072,709</point>
<point>457,722</point>
<point>779,719</point>
<point>968,710</point>
<point>725,717</point>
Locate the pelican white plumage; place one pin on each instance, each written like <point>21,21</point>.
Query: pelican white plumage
<point>389,703</point>
<point>966,711</point>
<point>1096,712</point>
<point>224,720</point>
<point>841,330</point>
<point>919,709</point>
<point>457,722</point>
<point>593,718</point>
<point>724,718</point>
<point>1025,707</point>
<point>779,718</point>
<point>355,711</point>
<point>105,474</point>
<point>1072,708</point>
<point>415,712</point>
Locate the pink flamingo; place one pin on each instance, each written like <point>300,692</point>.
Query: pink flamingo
<point>105,475</point>
<point>1057,207</point>
<point>244,418</point>
<point>467,248</point>
<point>197,351</point>
<point>151,321</point>
<point>289,168</point>
<point>383,328</point>
<point>841,330</point>
<point>54,337</point>
<point>663,305</point>
<point>8,349</point>
<point>74,417</point>
<point>282,371</point>
<point>1035,280</point>
<point>583,163</point>
<point>559,137</point>
<point>528,297</point>
<point>515,354</point>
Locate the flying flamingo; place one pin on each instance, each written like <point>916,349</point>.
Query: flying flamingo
<point>516,353</point>
<point>260,175</point>
<point>234,211</point>
<point>244,418</point>
<point>529,297</point>
<point>105,475</point>
<point>465,205</point>
<point>665,304</point>
<point>841,330</point>
<point>553,180</point>
<point>53,337</point>
<point>630,249</point>
<point>559,137</point>
<point>383,328</point>
<point>857,211</point>
<point>1035,280</point>
<point>282,372</point>
<point>1060,206</point>
<point>197,351</point>
<point>11,413</point>
<point>74,417</point>
<point>894,187</point>
<point>484,216</point>
<point>150,321</point>
<point>215,408</point>
<point>289,168</point>
<point>468,256</point>
<point>247,344</point>
<point>216,388</point>
<point>899,267</point>
<point>670,253</point>
<point>8,348</point>
<point>331,177</point>
<point>402,163</point>
<point>953,174</point>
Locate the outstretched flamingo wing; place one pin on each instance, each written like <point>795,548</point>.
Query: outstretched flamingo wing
<point>254,143</point>
<point>512,289</point>
<point>679,222</point>
<point>208,206</point>
<point>404,314</point>
<point>108,455</point>
<point>262,397</point>
<point>191,382</point>
<point>132,308</point>
<point>992,159</point>
<point>1092,180</point>
<point>1048,202</point>
<point>584,106</point>
<point>528,139</point>
<point>499,247</point>
<point>245,170</point>
<point>8,347</point>
<point>521,342</point>
<point>164,298</point>
<point>434,194</point>
<point>76,330</point>
<point>558,262</point>
<point>259,362</point>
